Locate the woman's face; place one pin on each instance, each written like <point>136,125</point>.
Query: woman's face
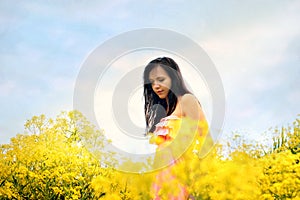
<point>161,82</point>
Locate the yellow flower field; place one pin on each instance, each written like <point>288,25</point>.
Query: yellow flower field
<point>48,161</point>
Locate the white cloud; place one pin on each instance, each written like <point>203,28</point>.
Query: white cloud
<point>7,87</point>
<point>250,50</point>
<point>254,63</point>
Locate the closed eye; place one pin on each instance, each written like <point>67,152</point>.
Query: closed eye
<point>161,79</point>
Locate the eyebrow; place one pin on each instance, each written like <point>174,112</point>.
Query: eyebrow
<point>158,77</point>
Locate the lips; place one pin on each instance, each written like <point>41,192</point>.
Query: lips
<point>159,92</point>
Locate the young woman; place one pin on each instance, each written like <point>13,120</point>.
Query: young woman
<point>164,88</point>
<point>167,102</point>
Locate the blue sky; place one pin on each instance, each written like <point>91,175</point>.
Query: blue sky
<point>255,46</point>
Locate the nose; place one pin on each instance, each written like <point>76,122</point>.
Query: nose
<point>156,85</point>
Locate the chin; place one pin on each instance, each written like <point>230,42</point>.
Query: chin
<point>162,96</point>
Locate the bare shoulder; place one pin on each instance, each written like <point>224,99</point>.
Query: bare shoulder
<point>189,99</point>
<point>190,106</point>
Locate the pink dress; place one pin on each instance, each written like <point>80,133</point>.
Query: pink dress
<point>176,139</point>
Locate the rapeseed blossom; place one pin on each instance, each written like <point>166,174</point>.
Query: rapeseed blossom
<point>49,162</point>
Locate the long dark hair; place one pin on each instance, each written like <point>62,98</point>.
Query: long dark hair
<point>156,108</point>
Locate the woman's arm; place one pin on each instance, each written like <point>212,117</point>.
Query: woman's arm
<point>191,108</point>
